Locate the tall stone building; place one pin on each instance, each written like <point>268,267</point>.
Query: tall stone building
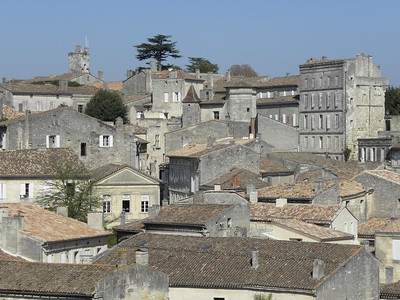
<point>341,101</point>
<point>78,61</point>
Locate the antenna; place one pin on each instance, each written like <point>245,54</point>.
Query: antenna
<point>86,42</point>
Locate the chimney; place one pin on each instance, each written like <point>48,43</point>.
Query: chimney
<point>217,187</point>
<point>324,58</point>
<point>62,211</point>
<point>389,275</point>
<point>122,218</point>
<point>197,73</point>
<point>100,75</point>
<point>228,76</point>
<point>319,185</point>
<point>172,74</point>
<point>119,124</point>
<point>122,257</point>
<point>255,256</point>
<point>129,74</point>
<point>210,79</point>
<point>235,182</point>
<point>253,128</point>
<point>154,210</point>
<point>366,245</point>
<point>209,142</point>
<point>96,220</point>
<point>63,85</point>
<point>165,203</point>
<point>78,49</point>
<point>142,256</point>
<point>318,269</point>
<point>280,202</point>
<point>250,187</point>
<point>254,196</point>
<point>153,66</point>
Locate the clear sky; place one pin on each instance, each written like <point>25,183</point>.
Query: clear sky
<point>274,37</point>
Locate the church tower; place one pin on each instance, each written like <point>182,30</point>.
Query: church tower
<point>78,61</point>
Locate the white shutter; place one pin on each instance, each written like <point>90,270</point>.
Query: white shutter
<point>3,141</point>
<point>57,141</point>
<point>101,141</point>
<point>3,191</point>
<point>111,141</point>
<point>47,141</point>
<point>22,189</point>
<point>396,249</point>
<point>30,190</point>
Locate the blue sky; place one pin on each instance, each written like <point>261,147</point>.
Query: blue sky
<point>274,37</point>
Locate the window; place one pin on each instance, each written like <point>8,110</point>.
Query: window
<point>216,115</point>
<point>157,141</point>
<point>26,190</point>
<point>107,204</point>
<point>396,249</point>
<point>218,298</point>
<point>276,117</point>
<point>306,142</point>
<point>305,125</point>
<point>106,141</point>
<point>126,203</point>
<point>294,120</point>
<point>2,190</point>
<point>328,121</point>
<point>83,149</point>
<point>312,101</point>
<point>176,97</point>
<point>52,141</point>
<point>320,122</point>
<point>165,97</point>
<point>144,205</point>
<point>328,142</point>
<point>52,105</point>
<point>3,140</point>
<point>336,121</point>
<point>80,108</point>
<point>320,98</point>
<point>312,122</point>
<point>321,145</point>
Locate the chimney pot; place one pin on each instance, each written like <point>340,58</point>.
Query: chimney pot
<point>255,259</point>
<point>142,256</point>
<point>100,75</point>
<point>281,202</point>
<point>318,269</point>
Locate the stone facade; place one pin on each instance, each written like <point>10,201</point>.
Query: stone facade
<point>340,102</point>
<point>78,61</point>
<point>94,141</point>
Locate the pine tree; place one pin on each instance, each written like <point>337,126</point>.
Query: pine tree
<point>107,106</point>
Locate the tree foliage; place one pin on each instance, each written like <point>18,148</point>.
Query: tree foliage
<point>159,47</point>
<point>71,188</point>
<point>392,100</point>
<point>242,70</point>
<point>202,64</point>
<point>107,106</point>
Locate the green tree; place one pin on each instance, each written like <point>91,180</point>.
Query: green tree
<point>392,100</point>
<point>71,188</point>
<point>242,70</point>
<point>262,297</point>
<point>204,65</point>
<point>107,105</point>
<point>159,47</point>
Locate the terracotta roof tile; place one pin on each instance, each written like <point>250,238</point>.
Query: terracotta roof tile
<point>134,98</point>
<point>11,113</point>
<point>48,226</point>
<point>6,256</point>
<point>111,85</point>
<point>387,175</point>
<point>270,166</point>
<point>225,262</point>
<point>390,291</point>
<point>373,225</point>
<point>34,163</point>
<point>191,96</point>
<point>50,89</point>
<point>51,278</point>
<point>311,213</point>
<point>314,231</point>
<point>109,169</point>
<point>189,214</point>
<point>237,179</point>
<point>280,100</point>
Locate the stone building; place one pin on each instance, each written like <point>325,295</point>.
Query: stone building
<point>230,268</point>
<point>94,141</point>
<point>341,101</point>
<point>40,235</point>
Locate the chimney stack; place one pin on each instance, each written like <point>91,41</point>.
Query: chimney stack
<point>153,66</point>
<point>100,75</point>
<point>63,85</point>
<point>62,211</point>
<point>255,259</point>
<point>319,185</point>
<point>142,256</point>
<point>96,220</point>
<point>197,74</point>
<point>281,202</point>
<point>318,269</point>
<point>122,218</point>
<point>122,257</point>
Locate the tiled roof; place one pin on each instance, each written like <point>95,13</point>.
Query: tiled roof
<point>33,162</point>
<point>191,96</point>
<point>319,233</point>
<point>349,188</point>
<point>217,99</point>
<point>311,213</point>
<point>189,214</point>
<point>239,83</point>
<point>65,76</point>
<point>237,179</point>
<point>313,61</point>
<point>50,89</point>
<point>48,226</point>
<point>385,174</point>
<point>225,262</point>
<point>373,225</point>
<point>278,100</point>
<point>268,165</point>
<point>304,190</point>
<point>132,226</point>
<point>390,290</point>
<point>134,98</point>
<point>180,74</point>
<point>199,150</point>
<point>11,113</point>
<point>6,256</point>
<point>344,170</point>
<point>51,278</point>
<point>277,81</point>
<point>111,85</point>
<point>391,227</point>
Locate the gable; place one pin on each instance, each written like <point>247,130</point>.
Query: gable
<point>128,176</point>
